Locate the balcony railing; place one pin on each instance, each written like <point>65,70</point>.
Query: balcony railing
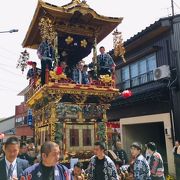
<point>104,81</point>
<point>138,80</point>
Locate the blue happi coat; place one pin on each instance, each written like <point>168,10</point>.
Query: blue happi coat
<point>141,168</point>
<point>109,170</point>
<point>35,173</point>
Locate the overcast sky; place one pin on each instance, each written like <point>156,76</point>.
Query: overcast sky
<point>17,14</point>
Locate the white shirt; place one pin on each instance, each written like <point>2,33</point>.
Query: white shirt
<point>14,164</point>
<point>178,150</point>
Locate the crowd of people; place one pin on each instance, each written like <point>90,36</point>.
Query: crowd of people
<point>22,161</point>
<point>79,74</point>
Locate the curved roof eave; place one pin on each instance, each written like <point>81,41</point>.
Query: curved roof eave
<point>66,13</point>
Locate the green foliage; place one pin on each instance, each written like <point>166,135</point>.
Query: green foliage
<point>59,132</point>
<point>63,110</point>
<point>40,104</point>
<point>92,111</point>
<point>101,131</point>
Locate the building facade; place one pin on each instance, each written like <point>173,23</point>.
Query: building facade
<point>7,127</point>
<point>151,72</point>
<point>23,130</point>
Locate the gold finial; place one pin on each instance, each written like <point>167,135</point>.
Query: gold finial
<point>119,49</point>
<point>76,1</point>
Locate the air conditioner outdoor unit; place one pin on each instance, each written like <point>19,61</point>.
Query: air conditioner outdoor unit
<point>161,72</point>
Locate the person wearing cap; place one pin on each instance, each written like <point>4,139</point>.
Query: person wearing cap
<point>156,162</point>
<point>101,167</point>
<point>141,168</point>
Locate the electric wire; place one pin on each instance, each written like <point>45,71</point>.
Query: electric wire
<point>7,58</point>
<point>9,81</point>
<point>13,73</point>
<point>7,65</point>
<point>7,88</point>
<point>7,50</point>
<point>176,5</point>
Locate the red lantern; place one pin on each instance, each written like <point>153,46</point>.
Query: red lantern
<point>127,94</point>
<point>1,136</point>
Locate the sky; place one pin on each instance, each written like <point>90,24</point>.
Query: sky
<point>17,14</point>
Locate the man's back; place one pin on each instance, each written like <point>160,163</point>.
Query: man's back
<point>122,155</point>
<point>156,165</point>
<point>141,168</point>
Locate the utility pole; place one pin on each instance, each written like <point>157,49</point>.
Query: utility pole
<point>172,7</point>
<point>170,47</point>
<point>172,17</point>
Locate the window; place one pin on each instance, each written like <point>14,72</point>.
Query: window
<point>134,74</point>
<point>151,65</point>
<point>142,72</point>
<point>138,73</point>
<point>87,137</point>
<point>118,76</point>
<point>74,137</point>
<point>125,77</point>
<point>19,121</point>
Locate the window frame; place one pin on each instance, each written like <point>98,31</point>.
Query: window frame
<point>148,74</point>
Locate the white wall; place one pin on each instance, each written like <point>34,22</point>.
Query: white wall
<point>7,124</point>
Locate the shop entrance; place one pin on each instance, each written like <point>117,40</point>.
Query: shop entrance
<point>144,133</point>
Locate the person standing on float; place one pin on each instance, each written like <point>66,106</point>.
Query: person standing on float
<point>46,54</point>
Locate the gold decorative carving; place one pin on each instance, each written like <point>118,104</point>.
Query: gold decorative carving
<point>69,40</point>
<point>56,48</point>
<point>77,29</point>
<point>47,30</point>
<point>79,98</point>
<point>83,43</point>
<point>84,4</point>
<point>106,99</point>
<point>53,75</point>
<point>52,131</point>
<point>76,1</point>
<point>53,92</point>
<point>119,49</point>
<point>53,112</point>
<point>106,79</point>
<point>71,91</point>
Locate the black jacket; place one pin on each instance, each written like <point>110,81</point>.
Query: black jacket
<point>21,166</point>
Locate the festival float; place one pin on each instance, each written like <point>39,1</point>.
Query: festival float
<point>72,115</point>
